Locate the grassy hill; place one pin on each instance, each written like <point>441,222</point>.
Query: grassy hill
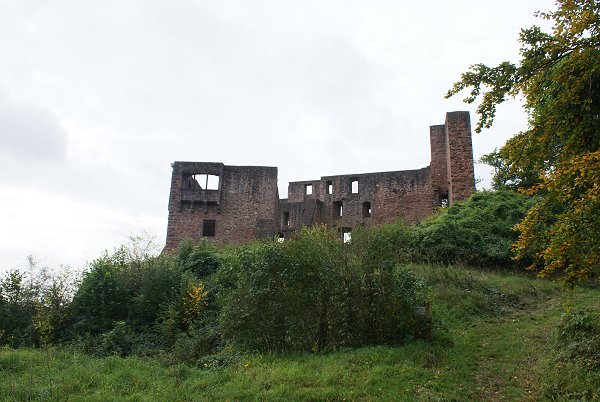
<point>495,338</point>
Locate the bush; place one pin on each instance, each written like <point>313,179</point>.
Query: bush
<point>17,310</point>
<point>202,260</point>
<point>578,338</point>
<point>196,345</point>
<point>313,293</point>
<point>148,301</point>
<point>102,296</point>
<point>118,341</point>
<point>309,293</point>
<point>257,309</point>
<point>572,371</point>
<point>477,232</point>
<point>34,305</point>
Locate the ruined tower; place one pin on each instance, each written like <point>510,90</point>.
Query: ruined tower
<point>237,204</point>
<point>452,174</point>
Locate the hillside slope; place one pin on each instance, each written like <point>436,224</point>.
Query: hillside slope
<point>493,341</point>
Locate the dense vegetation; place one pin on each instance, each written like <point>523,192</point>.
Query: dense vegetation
<point>208,307</point>
<point>308,294</point>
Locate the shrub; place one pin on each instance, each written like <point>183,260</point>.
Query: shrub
<point>201,340</point>
<point>254,311</point>
<point>202,260</point>
<point>578,338</point>
<point>118,341</point>
<point>152,299</point>
<point>17,309</point>
<point>313,293</point>
<point>159,281</point>
<point>478,231</point>
<point>572,371</point>
<point>102,296</point>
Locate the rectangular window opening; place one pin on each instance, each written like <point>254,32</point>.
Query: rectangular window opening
<point>329,187</point>
<point>346,235</point>
<point>444,200</point>
<point>308,189</point>
<point>208,228</point>
<point>354,186</point>
<point>207,181</point>
<point>338,209</point>
<point>366,209</point>
<point>286,219</point>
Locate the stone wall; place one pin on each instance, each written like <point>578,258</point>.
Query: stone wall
<point>439,168</point>
<point>244,207</point>
<point>374,199</point>
<point>459,151</point>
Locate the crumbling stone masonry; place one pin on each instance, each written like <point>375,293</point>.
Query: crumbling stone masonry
<point>237,204</point>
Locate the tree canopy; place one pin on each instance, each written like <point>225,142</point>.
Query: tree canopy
<point>557,159</point>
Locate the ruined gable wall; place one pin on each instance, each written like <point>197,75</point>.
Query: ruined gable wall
<point>250,206</point>
<point>245,206</point>
<point>410,195</point>
<point>188,207</point>
<point>406,195</point>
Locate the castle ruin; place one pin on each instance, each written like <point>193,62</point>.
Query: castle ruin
<point>237,204</point>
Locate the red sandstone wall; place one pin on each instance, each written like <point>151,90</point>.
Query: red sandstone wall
<point>392,195</point>
<point>246,206</point>
<point>459,155</point>
<point>439,170</point>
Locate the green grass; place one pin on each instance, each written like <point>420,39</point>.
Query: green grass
<point>493,343</point>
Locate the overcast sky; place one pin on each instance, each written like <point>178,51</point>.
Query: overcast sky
<point>97,98</point>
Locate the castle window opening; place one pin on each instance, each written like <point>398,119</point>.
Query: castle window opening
<point>338,209</point>
<point>366,209</point>
<point>207,181</point>
<point>308,189</point>
<point>444,200</point>
<point>346,235</point>
<point>208,228</point>
<point>354,186</point>
<point>286,219</point>
<point>280,237</point>
<point>329,187</point>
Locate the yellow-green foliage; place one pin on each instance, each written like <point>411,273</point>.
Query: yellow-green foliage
<point>562,229</point>
<point>558,157</point>
<point>193,302</point>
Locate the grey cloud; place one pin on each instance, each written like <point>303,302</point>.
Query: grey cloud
<point>30,133</point>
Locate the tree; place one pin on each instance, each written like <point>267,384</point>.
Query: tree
<point>557,158</point>
<point>508,176</point>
